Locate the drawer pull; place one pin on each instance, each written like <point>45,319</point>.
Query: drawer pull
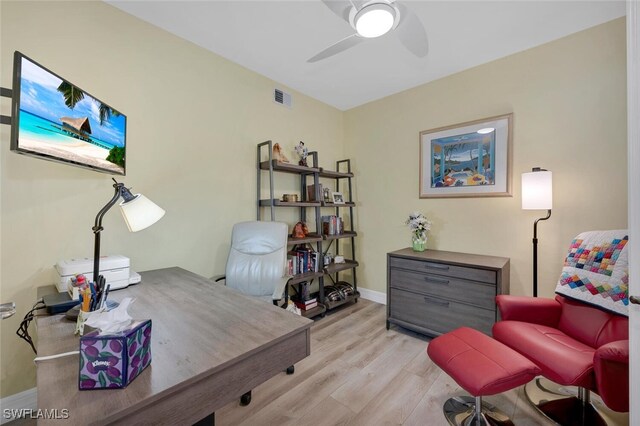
<point>436,266</point>
<point>436,301</point>
<point>436,280</point>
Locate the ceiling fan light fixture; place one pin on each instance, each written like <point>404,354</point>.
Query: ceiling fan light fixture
<point>374,20</point>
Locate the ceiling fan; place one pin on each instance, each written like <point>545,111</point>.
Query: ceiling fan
<point>374,18</point>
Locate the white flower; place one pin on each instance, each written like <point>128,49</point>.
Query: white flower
<point>418,224</point>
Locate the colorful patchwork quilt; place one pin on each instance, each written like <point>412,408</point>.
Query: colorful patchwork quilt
<point>596,270</point>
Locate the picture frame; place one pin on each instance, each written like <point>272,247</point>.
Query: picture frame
<point>471,159</point>
<point>337,198</point>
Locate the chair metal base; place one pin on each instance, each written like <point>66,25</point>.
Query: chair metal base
<point>570,405</point>
<point>463,411</point>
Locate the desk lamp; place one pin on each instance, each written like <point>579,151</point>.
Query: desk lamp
<point>138,211</point>
<point>537,194</point>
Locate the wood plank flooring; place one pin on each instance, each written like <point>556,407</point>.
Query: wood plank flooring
<point>359,373</point>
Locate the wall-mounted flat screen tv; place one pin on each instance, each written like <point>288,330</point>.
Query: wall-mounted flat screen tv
<point>55,120</point>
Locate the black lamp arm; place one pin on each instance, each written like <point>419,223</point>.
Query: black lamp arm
<point>97,227</point>
<point>120,191</point>
<point>535,225</point>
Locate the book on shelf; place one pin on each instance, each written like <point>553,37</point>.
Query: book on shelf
<point>302,297</point>
<point>309,301</point>
<point>332,225</point>
<point>306,306</point>
<point>301,260</point>
<point>312,195</point>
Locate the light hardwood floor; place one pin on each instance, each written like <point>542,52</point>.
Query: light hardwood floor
<point>359,373</point>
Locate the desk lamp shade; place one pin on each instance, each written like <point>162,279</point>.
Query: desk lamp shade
<point>140,212</point>
<point>537,193</point>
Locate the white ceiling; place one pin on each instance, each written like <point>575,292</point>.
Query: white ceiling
<point>275,38</point>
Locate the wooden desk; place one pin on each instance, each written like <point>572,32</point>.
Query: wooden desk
<point>209,346</point>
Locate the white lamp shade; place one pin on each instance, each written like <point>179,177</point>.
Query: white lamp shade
<point>140,213</point>
<point>537,192</point>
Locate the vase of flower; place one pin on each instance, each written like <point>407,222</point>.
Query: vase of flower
<point>419,242</point>
<point>419,226</point>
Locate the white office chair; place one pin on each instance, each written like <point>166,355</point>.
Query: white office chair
<point>257,258</point>
<point>256,265</point>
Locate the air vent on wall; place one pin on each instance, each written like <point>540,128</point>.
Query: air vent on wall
<point>282,98</point>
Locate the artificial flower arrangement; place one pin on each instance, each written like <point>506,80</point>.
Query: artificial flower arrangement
<point>419,225</point>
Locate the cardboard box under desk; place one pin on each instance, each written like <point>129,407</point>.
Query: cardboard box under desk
<point>114,360</point>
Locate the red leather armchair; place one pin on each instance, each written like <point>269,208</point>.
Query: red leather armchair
<point>573,343</point>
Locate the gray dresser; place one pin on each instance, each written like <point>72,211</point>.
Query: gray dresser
<point>433,292</point>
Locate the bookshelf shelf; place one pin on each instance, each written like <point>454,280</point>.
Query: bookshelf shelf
<point>279,203</point>
<point>347,204</point>
<point>311,238</point>
<point>337,267</point>
<point>345,234</point>
<point>288,167</point>
<point>334,175</point>
<point>314,312</point>
<point>307,276</point>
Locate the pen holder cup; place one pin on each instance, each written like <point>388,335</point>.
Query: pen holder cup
<point>114,360</point>
<point>82,318</point>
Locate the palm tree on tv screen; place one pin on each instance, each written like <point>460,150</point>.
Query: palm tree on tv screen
<point>73,95</point>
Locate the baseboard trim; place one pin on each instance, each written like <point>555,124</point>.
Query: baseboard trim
<point>374,296</point>
<point>26,400</point>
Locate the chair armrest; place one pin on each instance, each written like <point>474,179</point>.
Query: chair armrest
<point>279,290</point>
<point>611,366</point>
<point>529,309</point>
<point>218,278</point>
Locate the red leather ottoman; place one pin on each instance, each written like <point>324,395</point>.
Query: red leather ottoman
<point>481,366</point>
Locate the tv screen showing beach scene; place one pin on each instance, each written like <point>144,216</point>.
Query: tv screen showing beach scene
<point>55,120</point>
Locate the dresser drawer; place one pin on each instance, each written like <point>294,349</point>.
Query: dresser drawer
<point>437,314</point>
<point>444,287</point>
<point>444,269</point>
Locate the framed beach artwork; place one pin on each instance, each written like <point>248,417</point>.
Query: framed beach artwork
<point>471,159</point>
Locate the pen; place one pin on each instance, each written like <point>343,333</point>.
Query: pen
<point>86,299</point>
<point>105,295</point>
<point>92,305</point>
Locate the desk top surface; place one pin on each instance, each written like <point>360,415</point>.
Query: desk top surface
<point>199,328</point>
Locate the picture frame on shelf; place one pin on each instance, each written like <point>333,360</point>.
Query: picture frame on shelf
<point>471,159</point>
<point>337,198</point>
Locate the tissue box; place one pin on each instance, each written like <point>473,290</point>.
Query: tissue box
<point>114,360</point>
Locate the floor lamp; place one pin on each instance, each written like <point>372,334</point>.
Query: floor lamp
<point>537,194</point>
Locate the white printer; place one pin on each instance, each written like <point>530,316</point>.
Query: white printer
<point>114,268</point>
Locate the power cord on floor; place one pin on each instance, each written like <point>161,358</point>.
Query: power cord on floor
<point>23,329</point>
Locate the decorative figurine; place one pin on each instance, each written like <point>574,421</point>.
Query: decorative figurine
<point>278,155</point>
<point>326,195</point>
<point>303,152</point>
<point>300,230</point>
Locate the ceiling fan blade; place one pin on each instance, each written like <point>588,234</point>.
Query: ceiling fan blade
<point>411,32</point>
<point>339,7</point>
<point>338,47</point>
<point>359,3</point>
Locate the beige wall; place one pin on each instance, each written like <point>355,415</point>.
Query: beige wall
<point>568,99</point>
<point>194,120</point>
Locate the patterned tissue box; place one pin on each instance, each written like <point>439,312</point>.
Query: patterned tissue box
<point>114,360</point>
